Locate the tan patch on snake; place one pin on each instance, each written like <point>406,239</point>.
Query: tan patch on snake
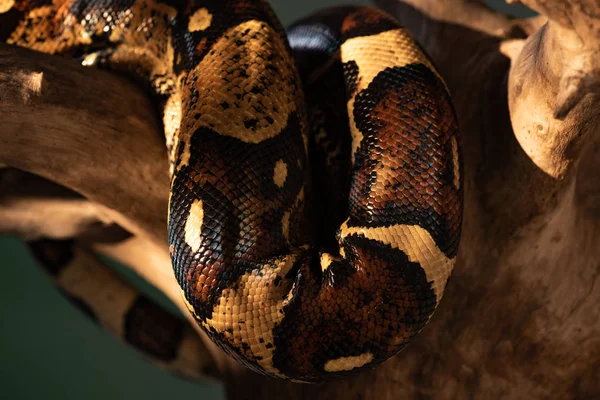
<point>285,221</point>
<point>97,286</point>
<point>280,173</point>
<point>6,5</point>
<point>244,86</point>
<point>455,162</point>
<point>171,122</point>
<point>200,20</point>
<point>326,260</point>
<point>147,17</point>
<point>193,225</point>
<point>348,363</point>
<point>172,117</point>
<point>185,154</point>
<point>47,35</point>
<point>90,60</point>
<point>373,54</point>
<point>417,244</point>
<point>247,313</point>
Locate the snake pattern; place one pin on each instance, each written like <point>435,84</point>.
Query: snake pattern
<point>113,303</point>
<point>316,197</point>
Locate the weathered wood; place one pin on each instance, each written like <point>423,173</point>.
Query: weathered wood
<point>33,208</point>
<point>83,129</point>
<point>554,85</point>
<point>91,131</point>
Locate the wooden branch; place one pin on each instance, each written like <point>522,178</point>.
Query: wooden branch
<point>472,14</point>
<point>574,15</point>
<point>34,208</point>
<point>554,85</point>
<point>91,131</point>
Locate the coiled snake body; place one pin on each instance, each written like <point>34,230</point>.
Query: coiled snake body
<point>307,241</point>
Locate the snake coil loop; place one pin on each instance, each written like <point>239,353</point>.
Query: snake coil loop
<point>311,235</point>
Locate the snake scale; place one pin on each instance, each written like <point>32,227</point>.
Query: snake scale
<point>316,200</point>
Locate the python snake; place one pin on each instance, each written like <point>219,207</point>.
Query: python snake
<point>316,198</point>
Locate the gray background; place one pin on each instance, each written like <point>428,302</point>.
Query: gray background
<point>50,350</point>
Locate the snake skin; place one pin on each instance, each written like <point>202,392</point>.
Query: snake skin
<point>114,304</point>
<point>308,241</point>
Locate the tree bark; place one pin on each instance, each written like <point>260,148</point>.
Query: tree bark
<point>91,131</point>
<point>520,316</point>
